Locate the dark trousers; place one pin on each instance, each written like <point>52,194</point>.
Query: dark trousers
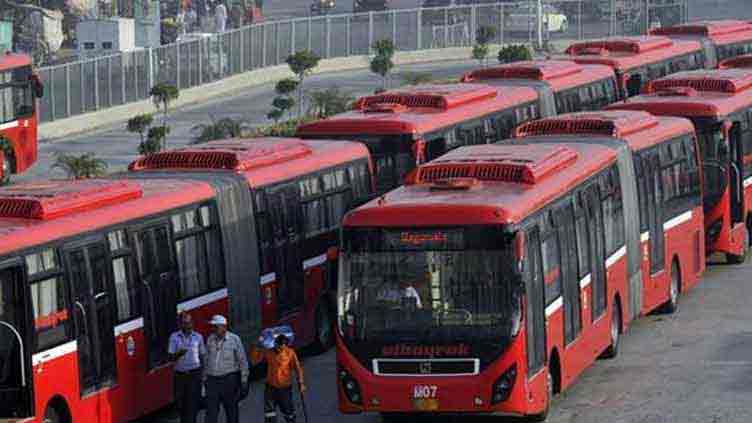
<point>224,390</point>
<point>188,394</point>
<point>278,397</point>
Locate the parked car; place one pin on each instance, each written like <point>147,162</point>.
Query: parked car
<point>524,19</point>
<point>370,5</point>
<point>322,7</point>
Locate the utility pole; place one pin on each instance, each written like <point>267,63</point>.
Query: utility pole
<point>539,19</point>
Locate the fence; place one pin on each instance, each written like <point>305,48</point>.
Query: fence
<point>104,82</point>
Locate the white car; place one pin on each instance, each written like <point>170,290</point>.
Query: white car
<point>523,19</point>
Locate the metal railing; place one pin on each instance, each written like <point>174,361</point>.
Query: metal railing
<point>99,83</point>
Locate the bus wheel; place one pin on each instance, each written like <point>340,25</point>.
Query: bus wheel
<point>8,167</point>
<point>613,349</point>
<point>324,329</point>
<point>673,296</point>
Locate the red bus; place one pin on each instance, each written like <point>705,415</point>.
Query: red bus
<point>719,103</point>
<point>408,126</point>
<point>563,86</point>
<point>94,272</point>
<point>721,39</point>
<point>638,60</point>
<point>299,192</point>
<point>492,280</point>
<point>744,62</point>
<point>91,279</point>
<point>19,89</point>
<point>667,171</point>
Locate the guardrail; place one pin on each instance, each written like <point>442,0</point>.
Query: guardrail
<point>99,83</point>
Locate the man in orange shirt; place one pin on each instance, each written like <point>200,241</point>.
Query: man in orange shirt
<point>281,362</point>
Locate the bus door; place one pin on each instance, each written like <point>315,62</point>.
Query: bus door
<point>94,310</point>
<point>15,375</point>
<point>736,166</point>
<point>654,185</point>
<point>536,305</point>
<point>283,202</point>
<point>159,288</point>
<point>597,243</point>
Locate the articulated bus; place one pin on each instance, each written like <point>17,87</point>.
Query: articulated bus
<point>721,39</point>
<point>738,62</point>
<point>667,170</point>
<point>563,86</point>
<point>499,273</point>
<point>19,89</point>
<point>638,60</point>
<point>298,192</point>
<point>517,260</point>
<point>93,273</point>
<point>719,103</point>
<point>411,125</point>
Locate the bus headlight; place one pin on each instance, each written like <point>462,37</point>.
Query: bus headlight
<point>502,388</point>
<point>350,387</point>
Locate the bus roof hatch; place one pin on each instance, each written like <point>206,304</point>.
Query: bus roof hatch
<point>233,154</point>
<point>46,200</point>
<point>497,162</point>
<point>442,97</point>
<point>616,123</point>
<point>540,70</point>
<point>704,28</point>
<point>727,81</point>
<point>635,45</point>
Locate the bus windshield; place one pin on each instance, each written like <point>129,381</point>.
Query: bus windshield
<point>434,286</point>
<point>710,139</point>
<point>16,99</point>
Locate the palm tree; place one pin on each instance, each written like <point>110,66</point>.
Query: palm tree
<point>81,166</point>
<point>329,102</point>
<point>416,78</point>
<point>218,130</point>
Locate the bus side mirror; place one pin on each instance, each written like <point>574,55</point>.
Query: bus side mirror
<point>519,250</point>
<point>634,85</point>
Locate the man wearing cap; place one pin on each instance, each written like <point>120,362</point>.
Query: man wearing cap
<point>226,371</point>
<point>186,348</point>
<point>282,361</point>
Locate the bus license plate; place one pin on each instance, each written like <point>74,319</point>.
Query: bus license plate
<point>425,397</point>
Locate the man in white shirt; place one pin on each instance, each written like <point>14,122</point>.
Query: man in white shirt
<point>394,294</point>
<point>220,15</point>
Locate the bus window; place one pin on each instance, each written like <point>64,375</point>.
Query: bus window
<point>49,298</point>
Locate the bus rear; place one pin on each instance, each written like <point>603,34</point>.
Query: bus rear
<point>716,101</point>
<point>640,59</point>
<point>563,86</point>
<point>452,296</point>
<point>19,89</point>
<point>412,125</point>
<point>721,39</point>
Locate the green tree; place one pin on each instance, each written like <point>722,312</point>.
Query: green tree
<point>514,53</point>
<point>483,38</point>
<point>218,129</point>
<point>163,95</point>
<point>329,102</point>
<point>140,124</point>
<point>83,166</point>
<point>382,62</point>
<point>154,140</point>
<point>284,102</point>
<point>302,63</point>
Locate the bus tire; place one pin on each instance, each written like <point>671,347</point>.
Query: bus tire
<point>324,337</point>
<point>613,349</point>
<point>57,412</point>
<point>8,167</point>
<point>674,289</point>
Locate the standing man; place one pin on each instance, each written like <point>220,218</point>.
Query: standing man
<point>220,14</point>
<point>187,350</point>
<point>281,362</point>
<point>226,371</point>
